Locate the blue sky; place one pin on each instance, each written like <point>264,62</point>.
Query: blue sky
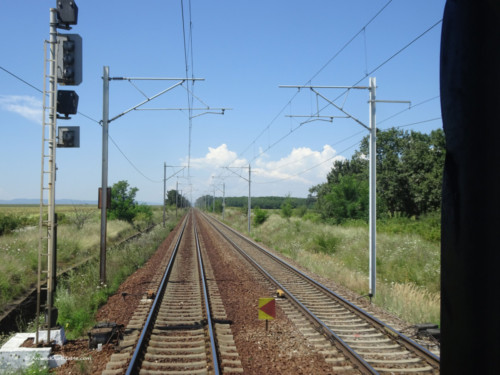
<point>244,50</point>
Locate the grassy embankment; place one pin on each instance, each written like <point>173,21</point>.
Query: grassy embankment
<point>78,295</point>
<point>408,257</point>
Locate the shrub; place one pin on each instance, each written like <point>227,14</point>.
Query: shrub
<point>300,211</point>
<point>325,243</point>
<point>81,216</point>
<point>312,217</point>
<point>8,223</point>
<point>286,208</point>
<point>260,216</point>
<point>143,217</point>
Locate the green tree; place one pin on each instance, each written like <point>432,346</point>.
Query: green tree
<point>409,175</point>
<point>171,197</point>
<point>347,199</point>
<point>123,205</point>
<point>287,208</point>
<point>176,198</point>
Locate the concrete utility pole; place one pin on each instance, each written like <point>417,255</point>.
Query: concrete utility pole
<point>249,197</point>
<point>372,128</point>
<point>105,134</point>
<point>164,190</point>
<point>165,179</point>
<point>249,190</point>
<point>104,175</point>
<point>223,199</point>
<point>223,191</point>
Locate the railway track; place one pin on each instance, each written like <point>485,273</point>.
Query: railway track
<point>369,345</point>
<point>23,309</point>
<point>186,330</point>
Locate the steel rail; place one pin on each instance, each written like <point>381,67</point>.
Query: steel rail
<point>206,298</point>
<point>403,340</point>
<point>355,359</point>
<point>23,306</point>
<point>135,361</point>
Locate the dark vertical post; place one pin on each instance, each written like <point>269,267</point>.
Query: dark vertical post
<point>104,176</point>
<point>470,97</point>
<point>164,191</point>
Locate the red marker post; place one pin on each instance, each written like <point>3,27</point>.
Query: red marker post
<point>267,309</point>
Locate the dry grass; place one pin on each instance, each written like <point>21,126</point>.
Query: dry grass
<point>408,267</point>
<point>19,250</point>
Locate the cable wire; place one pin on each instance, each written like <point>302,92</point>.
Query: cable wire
<point>337,154</point>
<point>407,109</point>
<point>310,80</point>
<point>89,118</point>
<point>22,80</point>
<point>308,169</point>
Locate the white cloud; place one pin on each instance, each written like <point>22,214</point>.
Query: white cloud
<point>293,174</point>
<point>216,158</point>
<point>301,165</point>
<point>27,106</point>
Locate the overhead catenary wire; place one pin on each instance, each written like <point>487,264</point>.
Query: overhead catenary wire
<point>407,109</point>
<point>336,154</point>
<point>354,84</point>
<point>308,81</point>
<point>382,64</point>
<point>334,144</point>
<point>189,96</point>
<point>308,169</point>
<point>20,79</point>
<point>91,119</point>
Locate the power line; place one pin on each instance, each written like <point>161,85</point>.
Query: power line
<point>383,63</point>
<point>190,98</point>
<point>89,118</point>
<point>308,169</point>
<point>407,109</point>
<point>350,41</point>
<point>22,80</point>
<point>324,66</point>
<point>419,122</point>
<point>132,164</point>
<point>314,76</point>
<point>401,50</point>
<point>336,155</point>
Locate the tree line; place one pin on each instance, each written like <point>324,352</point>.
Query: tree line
<point>409,178</point>
<point>269,203</point>
<point>176,199</point>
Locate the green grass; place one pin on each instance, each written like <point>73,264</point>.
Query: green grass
<point>78,239</point>
<point>80,295</point>
<point>408,262</point>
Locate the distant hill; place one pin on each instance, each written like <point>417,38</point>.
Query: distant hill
<point>65,202</point>
<point>37,201</point>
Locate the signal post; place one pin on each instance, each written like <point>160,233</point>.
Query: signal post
<point>65,68</point>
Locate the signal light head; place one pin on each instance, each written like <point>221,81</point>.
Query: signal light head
<point>69,59</point>
<point>67,13</point>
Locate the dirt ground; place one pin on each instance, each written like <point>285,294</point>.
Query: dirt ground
<point>281,349</point>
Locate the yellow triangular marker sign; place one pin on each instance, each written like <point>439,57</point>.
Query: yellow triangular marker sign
<point>267,308</point>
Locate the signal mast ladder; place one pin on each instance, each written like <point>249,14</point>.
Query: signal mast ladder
<point>47,221</point>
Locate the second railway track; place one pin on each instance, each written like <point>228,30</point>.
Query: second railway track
<point>186,329</point>
<point>373,346</point>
